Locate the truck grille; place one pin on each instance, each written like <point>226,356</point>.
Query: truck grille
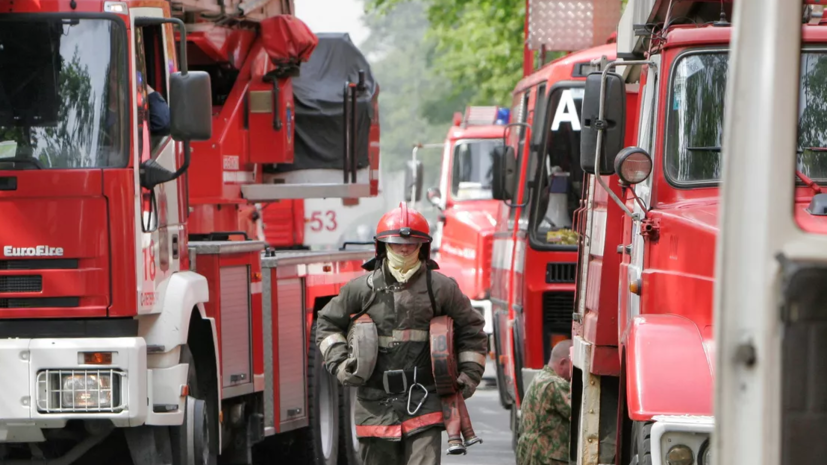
<point>21,283</point>
<point>43,264</point>
<point>557,310</point>
<point>40,302</point>
<point>560,273</point>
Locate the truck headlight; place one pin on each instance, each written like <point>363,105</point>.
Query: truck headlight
<point>680,455</point>
<point>87,390</point>
<point>61,391</point>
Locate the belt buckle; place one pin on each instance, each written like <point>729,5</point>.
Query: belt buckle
<point>392,379</point>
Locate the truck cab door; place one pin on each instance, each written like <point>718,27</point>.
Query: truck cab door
<point>632,265</point>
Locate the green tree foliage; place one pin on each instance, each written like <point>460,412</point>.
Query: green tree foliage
<point>479,46</point>
<point>813,116</point>
<point>73,134</point>
<point>400,56</point>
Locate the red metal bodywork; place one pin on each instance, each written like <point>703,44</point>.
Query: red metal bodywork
<point>283,223</point>
<point>467,225</point>
<point>519,271</point>
<point>91,212</point>
<point>667,351</point>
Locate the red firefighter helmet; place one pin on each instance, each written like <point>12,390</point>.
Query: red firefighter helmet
<point>403,225</point>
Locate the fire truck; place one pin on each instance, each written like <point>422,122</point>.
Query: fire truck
<point>538,178</point>
<point>642,388</point>
<point>467,219</point>
<point>134,322</point>
<point>772,252</point>
<point>318,223</point>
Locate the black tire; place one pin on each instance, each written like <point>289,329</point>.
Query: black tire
<point>641,443</point>
<point>515,428</point>
<point>322,436</point>
<point>502,389</point>
<point>348,443</point>
<point>518,360</point>
<point>205,440</point>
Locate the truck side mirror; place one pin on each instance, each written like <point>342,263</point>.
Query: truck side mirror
<point>613,123</point>
<point>190,106</point>
<point>413,180</point>
<point>504,180</point>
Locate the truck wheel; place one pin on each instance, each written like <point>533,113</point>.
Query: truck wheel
<point>515,427</point>
<point>502,389</point>
<point>197,422</point>
<point>641,443</point>
<point>518,360</point>
<point>348,442</point>
<point>323,408</point>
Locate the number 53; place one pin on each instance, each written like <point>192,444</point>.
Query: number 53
<point>318,222</point>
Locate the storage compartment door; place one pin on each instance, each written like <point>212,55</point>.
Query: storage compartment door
<point>235,325</point>
<point>292,349</point>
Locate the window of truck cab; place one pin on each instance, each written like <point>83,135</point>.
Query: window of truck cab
<point>695,114</point>
<point>556,172</point>
<point>63,91</point>
<point>517,136</point>
<point>473,169</point>
<point>151,72</point>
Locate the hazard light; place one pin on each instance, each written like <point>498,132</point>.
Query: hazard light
<point>115,7</point>
<point>633,165</point>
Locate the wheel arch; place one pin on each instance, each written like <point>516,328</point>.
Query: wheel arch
<point>667,368</point>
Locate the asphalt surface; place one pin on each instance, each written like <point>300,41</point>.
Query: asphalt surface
<point>491,423</point>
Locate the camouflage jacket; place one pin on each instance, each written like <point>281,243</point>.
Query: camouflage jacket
<point>402,314</point>
<point>544,427</point>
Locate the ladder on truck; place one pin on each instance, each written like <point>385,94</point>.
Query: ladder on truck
<point>212,23</point>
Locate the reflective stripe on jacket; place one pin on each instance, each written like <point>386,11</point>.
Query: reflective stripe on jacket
<point>402,314</point>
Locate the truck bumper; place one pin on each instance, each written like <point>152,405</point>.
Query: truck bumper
<point>674,431</point>
<point>46,382</point>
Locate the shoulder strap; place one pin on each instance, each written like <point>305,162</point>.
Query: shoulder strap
<point>429,280</point>
<point>366,305</point>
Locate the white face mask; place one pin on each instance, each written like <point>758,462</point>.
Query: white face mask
<point>402,267</point>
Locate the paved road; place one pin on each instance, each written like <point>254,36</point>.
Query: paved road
<point>491,423</point>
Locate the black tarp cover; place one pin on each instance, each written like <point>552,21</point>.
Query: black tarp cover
<point>318,93</point>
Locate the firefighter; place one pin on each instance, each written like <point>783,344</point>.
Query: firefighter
<point>396,421</point>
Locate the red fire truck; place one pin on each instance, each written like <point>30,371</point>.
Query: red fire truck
<point>467,220</point>
<point>130,313</point>
<point>315,223</point>
<point>643,329</point>
<point>538,178</point>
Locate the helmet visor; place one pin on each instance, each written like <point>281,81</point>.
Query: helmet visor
<point>403,240</point>
<point>403,236</point>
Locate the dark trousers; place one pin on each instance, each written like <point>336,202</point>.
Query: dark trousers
<point>423,448</point>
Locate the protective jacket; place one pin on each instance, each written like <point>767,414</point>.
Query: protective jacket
<point>402,314</point>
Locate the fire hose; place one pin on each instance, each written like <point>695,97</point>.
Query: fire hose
<point>444,364</point>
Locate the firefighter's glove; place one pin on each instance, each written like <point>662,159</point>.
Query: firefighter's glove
<point>344,372</point>
<point>467,385</point>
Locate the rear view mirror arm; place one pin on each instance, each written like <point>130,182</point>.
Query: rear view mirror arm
<point>600,125</point>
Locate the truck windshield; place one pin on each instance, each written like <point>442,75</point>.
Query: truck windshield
<point>62,93</point>
<point>472,170</point>
<point>696,115</point>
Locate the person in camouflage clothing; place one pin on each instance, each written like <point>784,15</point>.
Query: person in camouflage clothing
<point>546,412</point>
<point>401,294</point>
